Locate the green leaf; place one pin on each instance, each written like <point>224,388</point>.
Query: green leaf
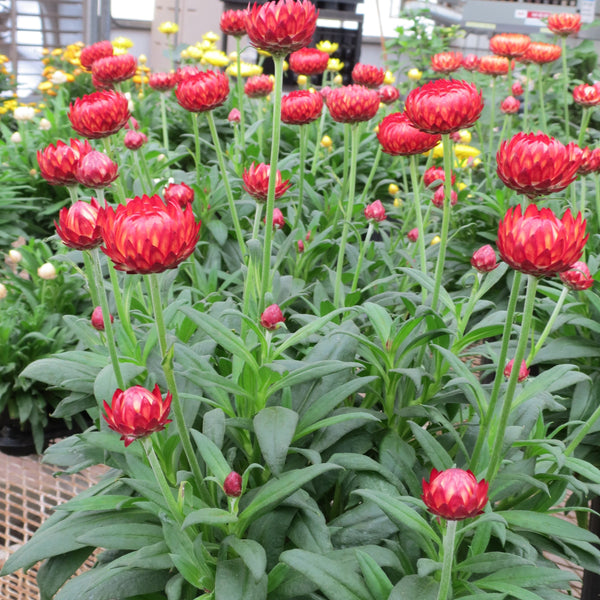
<point>105,383</point>
<point>528,577</point>
<point>377,581</point>
<point>251,552</point>
<point>212,456</point>
<point>208,516</point>
<point>490,562</point>
<point>275,427</point>
<point>380,319</point>
<point>435,452</point>
<point>513,590</point>
<point>413,587</point>
<point>276,490</point>
<point>235,582</point>
<point>53,573</point>
<point>121,536</point>
<point>218,229</point>
<point>339,418</point>
<point>335,580</point>
<point>103,502</point>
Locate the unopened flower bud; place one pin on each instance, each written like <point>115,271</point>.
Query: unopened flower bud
<point>413,235</point>
<point>15,256</point>
<point>234,116</point>
<point>134,140</point>
<point>302,79</point>
<point>271,317</point>
<point>435,240</point>
<point>577,277</point>
<point>326,141</point>
<point>300,246</point>
<point>47,271</point>
<point>98,319</point>
<point>15,138</point>
<point>438,197</point>
<point>278,220</point>
<point>3,291</point>
<point>232,485</point>
<point>44,124</point>
<point>375,211</point>
<point>484,259</point>
<point>393,189</point>
<point>523,371</point>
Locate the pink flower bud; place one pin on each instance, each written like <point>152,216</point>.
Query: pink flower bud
<point>517,89</point>
<point>578,277</point>
<point>413,235</point>
<point>484,259</point>
<point>300,246</point>
<point>523,371</point>
<point>375,211</point>
<point>134,140</point>
<point>510,105</point>
<point>438,197</point>
<point>271,317</point>
<point>180,193</point>
<point>96,170</point>
<point>232,485</point>
<point>234,116</point>
<point>97,319</point>
<point>278,220</point>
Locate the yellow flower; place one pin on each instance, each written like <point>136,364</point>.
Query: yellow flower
<point>3,110</point>
<point>338,79</point>
<point>195,52</point>
<point>327,46</point>
<point>414,74</point>
<point>142,59</point>
<point>438,151</point>
<point>465,136</point>
<point>247,69</point>
<point>393,189</point>
<point>398,202</point>
<point>56,52</point>
<point>233,56</point>
<point>263,52</point>
<point>286,65</point>
<point>45,86</point>
<point>302,79</point>
<point>389,78</point>
<point>476,162</point>
<point>436,240</point>
<point>210,36</point>
<point>117,51</point>
<point>216,58</point>
<point>326,141</point>
<point>206,45</point>
<point>461,185</point>
<point>3,59</point>
<point>335,64</point>
<point>122,43</point>
<point>462,151</point>
<point>168,27</point>
<point>184,54</point>
<point>45,51</point>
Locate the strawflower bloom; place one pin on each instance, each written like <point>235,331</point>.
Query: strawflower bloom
<point>510,45</point>
<point>590,162</point>
<point>97,319</point>
<point>168,27</point>
<point>24,113</point>
<point>78,226</point>
<point>58,164</point>
<point>90,54</point>
<point>233,22</point>
<point>114,69</point>
<point>232,486</point>
<point>335,65</point>
<point>577,277</point>
<point>388,94</point>
<point>281,27</point>
<point>484,259</point>
<point>256,182</point>
<point>368,75</point>
<point>454,494</point>
<point>439,195</point>
<point>134,140</point>
<point>145,236</point>
<point>202,92</point>
<point>181,193</point>
<point>413,235</point>
<point>99,114</point>
<point>352,104</point>
<point>375,211</point>
<point>96,170</point>
<point>536,165</point>
<point>493,65</point>
<point>271,317</point>
<point>446,62</point>
<point>586,95</point>
<point>186,72</point>
<point>137,412</point>
<point>538,243</point>
<point>470,62</point>
<point>517,88</point>
<point>510,105</point>
<point>327,46</point>
<point>162,82</point>
<point>414,74</point>
<point>564,24</point>
<point>435,176</point>
<point>301,107</point>
<point>308,61</point>
<point>258,86</point>
<point>541,53</point>
<point>444,106</point>
<point>398,136</point>
<point>523,370</point>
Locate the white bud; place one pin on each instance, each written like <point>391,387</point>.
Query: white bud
<point>44,125</point>
<point>24,113</point>
<point>47,271</point>
<point>15,256</point>
<point>58,77</point>
<point>3,291</point>
<point>15,138</point>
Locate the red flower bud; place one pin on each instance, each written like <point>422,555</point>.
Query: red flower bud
<point>271,317</point>
<point>114,69</point>
<point>435,176</point>
<point>470,62</point>
<point>181,193</point>
<point>232,486</point>
<point>78,225</point>
<point>523,371</point>
<point>203,91</point>
<point>134,140</point>
<point>98,319</point>
<point>368,75</point>
<point>413,235</point>
<point>375,211</point>
<point>517,88</point>
<point>58,164</point>
<point>90,54</point>
<point>258,86</point>
<point>484,259</point>
<point>301,107</point>
<point>438,197</point>
<point>234,116</point>
<point>388,94</point>
<point>308,61</point>
<point>577,277</point>
<point>256,182</point>
<point>510,105</point>
<point>233,22</point>
<point>162,82</point>
<point>446,62</point>
<point>300,246</point>
<point>96,170</point>
<point>399,137</point>
<point>510,45</point>
<point>352,104</point>
<point>564,23</point>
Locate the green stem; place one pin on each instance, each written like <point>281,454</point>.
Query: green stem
<point>526,99</point>
<point>462,321</point>
<point>313,168</point>
<point>338,292</point>
<point>498,439</point>
<point>541,97</point>
<point>565,78</point>
<point>492,120</point>
<point>586,115</point>
<point>257,216</point>
<point>152,284</point>
<point>108,326</point>
<point>163,118</point>
<point>548,328</point>
<point>120,188</point>
<point>145,170</point>
<point>361,257</point>
<point>585,429</point>
<point>597,195</point>
<point>240,93</point>
<point>303,148</point>
<point>136,160</point>
<point>232,209</point>
<point>194,117</point>
<point>491,410</point>
<point>276,134</point>
<point>445,589</point>
<point>371,174</point>
<point>347,140</point>
<point>583,198</point>
<point>439,267</point>
<point>416,184</point>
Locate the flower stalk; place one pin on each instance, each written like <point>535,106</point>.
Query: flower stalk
<point>445,589</point>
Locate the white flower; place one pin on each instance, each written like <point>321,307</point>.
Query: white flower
<point>15,256</point>
<point>45,125</point>
<point>15,138</point>
<point>24,113</point>
<point>47,271</point>
<point>3,291</point>
<point>58,77</point>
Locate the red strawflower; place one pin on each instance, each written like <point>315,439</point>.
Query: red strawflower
<point>99,114</point>
<point>256,182</point>
<point>454,494</point>
<point>233,22</point>
<point>510,105</point>
<point>185,72</point>
<point>577,277</point>
<point>444,106</point>
<point>58,164</point>
<point>134,140</point>
<point>78,226</point>
<point>145,236</point>
<point>96,170</point>
<point>202,92</point>
<point>440,194</point>
<point>271,317</point>
<point>308,61</point>
<point>523,370</point>
<point>388,94</point>
<point>541,53</point>
<point>435,176</point>
<point>232,486</point>
<point>137,412</point>
<point>352,104</point>
<point>114,69</point>
<point>101,85</point>
<point>162,82</point>
<point>398,136</point>
<point>258,86</point>
<point>234,116</point>
<point>564,23</point>
<point>90,54</point>
<point>97,319</point>
<point>538,243</point>
<point>537,165</point>
<point>281,27</point>
<point>493,65</point>
<point>517,88</point>
<point>368,75</point>
<point>484,259</point>
<point>510,45</point>
<point>586,95</point>
<point>590,161</point>
<point>301,107</point>
<point>181,193</point>
<point>413,235</point>
<point>375,211</point>
<point>470,62</point>
<point>446,62</point>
